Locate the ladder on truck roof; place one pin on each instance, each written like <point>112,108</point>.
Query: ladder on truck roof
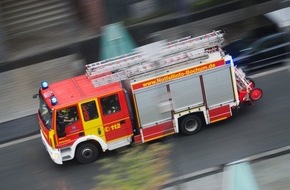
<point>141,61</point>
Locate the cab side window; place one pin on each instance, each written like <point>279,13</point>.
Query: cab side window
<point>110,104</point>
<point>89,110</point>
<point>65,117</point>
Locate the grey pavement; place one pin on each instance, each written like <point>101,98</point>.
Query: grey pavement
<point>18,129</point>
<point>18,85</point>
<point>273,173</point>
<point>269,171</point>
<point>17,88</point>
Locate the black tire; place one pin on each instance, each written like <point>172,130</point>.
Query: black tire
<point>190,124</point>
<point>86,153</point>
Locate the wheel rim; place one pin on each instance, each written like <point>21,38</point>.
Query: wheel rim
<point>256,94</point>
<point>87,153</point>
<point>191,125</point>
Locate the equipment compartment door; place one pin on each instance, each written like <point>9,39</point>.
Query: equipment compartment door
<point>218,87</point>
<point>150,102</point>
<point>186,93</point>
<point>154,112</point>
<point>116,117</point>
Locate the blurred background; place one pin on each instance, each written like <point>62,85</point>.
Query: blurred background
<point>34,27</point>
<point>54,39</point>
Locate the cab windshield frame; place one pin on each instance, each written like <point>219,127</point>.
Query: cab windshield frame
<point>45,113</point>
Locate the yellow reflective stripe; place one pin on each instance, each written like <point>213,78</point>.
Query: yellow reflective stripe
<point>158,137</point>
<point>213,121</point>
<point>51,138</point>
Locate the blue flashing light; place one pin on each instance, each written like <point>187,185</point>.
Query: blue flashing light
<point>44,85</point>
<point>228,62</point>
<point>53,100</point>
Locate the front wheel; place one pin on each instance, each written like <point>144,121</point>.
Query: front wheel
<point>86,153</point>
<point>190,124</point>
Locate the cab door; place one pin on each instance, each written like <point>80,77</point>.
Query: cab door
<point>115,116</point>
<point>68,125</point>
<point>92,122</point>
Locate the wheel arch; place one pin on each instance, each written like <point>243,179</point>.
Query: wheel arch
<point>198,113</point>
<point>99,142</point>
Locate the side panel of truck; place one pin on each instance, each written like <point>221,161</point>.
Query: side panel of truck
<point>186,93</point>
<point>156,105</point>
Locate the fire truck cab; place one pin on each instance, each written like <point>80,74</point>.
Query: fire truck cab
<point>158,90</point>
<point>70,127</point>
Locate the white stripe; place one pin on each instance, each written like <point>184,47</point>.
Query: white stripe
<point>270,71</point>
<point>20,141</point>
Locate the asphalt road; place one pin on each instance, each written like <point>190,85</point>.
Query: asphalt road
<point>255,129</point>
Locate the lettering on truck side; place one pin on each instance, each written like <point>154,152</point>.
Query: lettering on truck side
<point>178,74</point>
<point>113,127</point>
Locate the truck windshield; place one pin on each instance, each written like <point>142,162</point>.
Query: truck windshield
<point>45,113</point>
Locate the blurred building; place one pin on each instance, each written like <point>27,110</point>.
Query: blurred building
<point>281,17</point>
<point>28,26</point>
<point>31,16</point>
<point>31,26</point>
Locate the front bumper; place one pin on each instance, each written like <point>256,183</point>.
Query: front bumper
<point>54,154</point>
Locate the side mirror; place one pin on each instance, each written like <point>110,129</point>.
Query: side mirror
<point>35,96</point>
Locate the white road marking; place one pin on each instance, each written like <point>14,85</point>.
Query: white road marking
<point>286,67</point>
<point>19,141</point>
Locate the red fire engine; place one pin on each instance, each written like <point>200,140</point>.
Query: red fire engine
<point>160,89</point>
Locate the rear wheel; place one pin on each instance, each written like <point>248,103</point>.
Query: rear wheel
<point>86,153</point>
<point>190,124</point>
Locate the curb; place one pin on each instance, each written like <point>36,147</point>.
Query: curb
<point>19,140</point>
<point>218,169</point>
<point>6,141</point>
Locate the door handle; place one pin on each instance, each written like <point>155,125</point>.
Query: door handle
<point>122,122</point>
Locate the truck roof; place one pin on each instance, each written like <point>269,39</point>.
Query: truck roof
<point>76,89</point>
